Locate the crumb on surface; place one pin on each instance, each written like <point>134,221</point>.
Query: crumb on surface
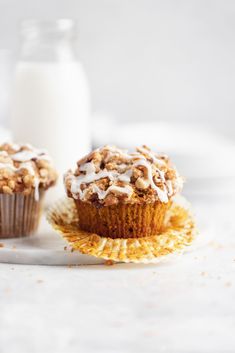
<point>40,281</point>
<point>1,245</point>
<point>109,263</point>
<point>216,245</point>
<point>228,284</point>
<point>7,290</point>
<point>204,273</point>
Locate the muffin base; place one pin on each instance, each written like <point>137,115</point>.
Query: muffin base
<point>122,220</point>
<point>178,232</point>
<point>19,214</point>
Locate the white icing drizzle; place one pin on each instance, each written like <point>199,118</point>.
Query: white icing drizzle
<point>137,159</point>
<point>120,189</point>
<point>152,156</point>
<point>125,177</point>
<point>16,147</point>
<point>7,166</point>
<point>88,168</point>
<point>36,189</point>
<point>169,187</point>
<point>162,194</point>
<point>91,176</point>
<point>27,166</point>
<point>11,167</point>
<point>25,157</point>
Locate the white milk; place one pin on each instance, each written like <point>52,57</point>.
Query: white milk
<point>51,110</point>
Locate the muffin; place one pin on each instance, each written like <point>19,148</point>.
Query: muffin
<point>25,174</point>
<point>120,194</point>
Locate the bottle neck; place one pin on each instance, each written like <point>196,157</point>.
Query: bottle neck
<point>48,41</point>
<point>47,50</point>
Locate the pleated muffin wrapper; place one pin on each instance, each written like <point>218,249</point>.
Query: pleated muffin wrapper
<point>19,214</point>
<point>177,233</point>
<point>122,220</point>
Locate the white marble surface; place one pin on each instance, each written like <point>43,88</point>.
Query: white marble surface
<point>186,305</point>
<point>46,247</point>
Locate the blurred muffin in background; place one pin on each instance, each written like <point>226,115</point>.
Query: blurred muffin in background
<point>25,174</point>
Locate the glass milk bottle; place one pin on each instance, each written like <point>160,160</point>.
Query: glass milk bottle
<point>51,101</point>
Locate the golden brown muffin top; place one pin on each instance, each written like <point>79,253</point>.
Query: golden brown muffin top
<point>24,168</point>
<point>109,175</point>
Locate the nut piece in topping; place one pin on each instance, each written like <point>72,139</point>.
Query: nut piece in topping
<point>6,190</point>
<point>142,183</point>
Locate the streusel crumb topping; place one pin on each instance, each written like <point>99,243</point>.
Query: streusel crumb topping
<point>109,175</point>
<point>24,169</point>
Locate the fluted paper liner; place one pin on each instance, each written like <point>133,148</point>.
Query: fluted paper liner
<point>19,214</point>
<point>122,220</point>
<point>178,232</point>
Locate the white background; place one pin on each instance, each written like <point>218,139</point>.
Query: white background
<point>146,59</point>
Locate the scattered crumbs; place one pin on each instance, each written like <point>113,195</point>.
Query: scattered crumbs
<point>216,245</point>
<point>195,258</point>
<point>13,247</point>
<point>1,245</point>
<point>65,248</point>
<point>109,263</point>
<point>228,284</point>
<point>150,333</point>
<point>72,250</point>
<point>72,266</point>
<point>203,273</point>
<point>7,290</point>
<point>40,281</point>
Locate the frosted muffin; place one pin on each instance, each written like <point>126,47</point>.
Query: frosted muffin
<point>120,194</point>
<point>25,174</point>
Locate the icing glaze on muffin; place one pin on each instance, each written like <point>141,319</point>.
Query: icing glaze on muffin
<point>109,175</point>
<point>24,168</point>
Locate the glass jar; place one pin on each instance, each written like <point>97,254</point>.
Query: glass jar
<point>51,100</point>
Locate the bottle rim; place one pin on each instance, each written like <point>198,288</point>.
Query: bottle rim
<point>32,28</point>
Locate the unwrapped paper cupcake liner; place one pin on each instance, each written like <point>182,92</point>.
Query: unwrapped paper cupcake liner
<point>177,233</point>
<point>19,214</point>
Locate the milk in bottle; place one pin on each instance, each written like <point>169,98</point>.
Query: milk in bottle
<point>51,101</point>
